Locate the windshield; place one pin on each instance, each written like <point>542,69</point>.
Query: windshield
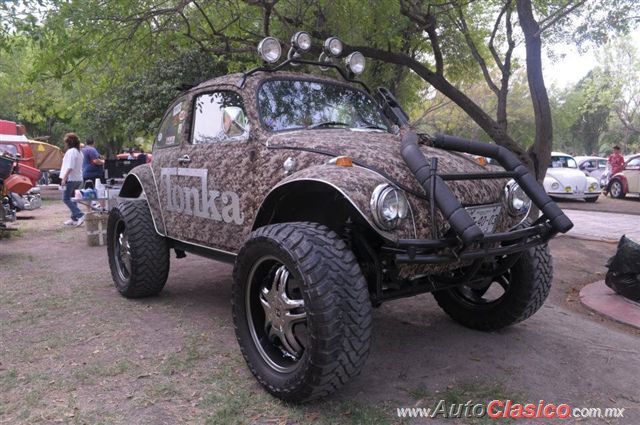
<point>294,104</point>
<point>563,162</point>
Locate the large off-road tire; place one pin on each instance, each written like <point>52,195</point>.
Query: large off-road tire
<point>616,190</point>
<point>138,256</point>
<point>301,310</point>
<point>507,299</point>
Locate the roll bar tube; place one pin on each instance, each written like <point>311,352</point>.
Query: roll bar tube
<point>510,162</point>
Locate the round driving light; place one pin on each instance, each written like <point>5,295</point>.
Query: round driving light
<point>269,49</point>
<point>388,206</point>
<point>301,41</point>
<point>555,185</point>
<point>518,203</point>
<point>333,46</point>
<point>355,62</point>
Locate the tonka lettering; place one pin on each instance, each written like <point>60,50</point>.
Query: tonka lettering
<point>199,201</point>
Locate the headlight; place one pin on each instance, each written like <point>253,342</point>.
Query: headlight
<point>355,62</point>
<point>593,187</point>
<point>388,206</point>
<point>333,46</point>
<point>555,186</point>
<point>269,49</point>
<point>301,41</point>
<point>518,203</point>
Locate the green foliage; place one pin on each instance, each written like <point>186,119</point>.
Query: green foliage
<point>109,68</point>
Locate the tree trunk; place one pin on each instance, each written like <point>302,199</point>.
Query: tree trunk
<point>540,152</point>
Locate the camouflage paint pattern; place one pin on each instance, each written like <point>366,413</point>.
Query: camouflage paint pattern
<point>251,168</point>
<point>150,193</point>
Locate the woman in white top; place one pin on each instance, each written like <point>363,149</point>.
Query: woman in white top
<point>71,176</point>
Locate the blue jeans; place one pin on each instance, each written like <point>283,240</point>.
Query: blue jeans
<point>69,191</point>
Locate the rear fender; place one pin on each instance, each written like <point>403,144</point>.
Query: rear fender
<point>623,180</point>
<point>141,184</point>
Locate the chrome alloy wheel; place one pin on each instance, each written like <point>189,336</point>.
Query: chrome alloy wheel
<point>276,315</point>
<point>122,251</point>
<point>616,189</point>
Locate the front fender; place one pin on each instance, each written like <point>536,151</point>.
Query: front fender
<point>355,184</point>
<point>140,183</point>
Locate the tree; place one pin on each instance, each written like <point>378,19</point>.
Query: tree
<point>443,42</point>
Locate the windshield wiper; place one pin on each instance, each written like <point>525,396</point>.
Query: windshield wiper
<point>327,124</point>
<point>372,126</point>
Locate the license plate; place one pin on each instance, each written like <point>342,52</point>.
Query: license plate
<point>485,216</point>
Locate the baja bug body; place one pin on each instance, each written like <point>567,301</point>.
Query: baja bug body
<point>328,203</point>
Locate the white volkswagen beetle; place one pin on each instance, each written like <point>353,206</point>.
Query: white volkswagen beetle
<point>564,180</point>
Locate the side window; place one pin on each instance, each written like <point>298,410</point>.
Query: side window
<point>170,133</point>
<point>602,163</point>
<point>219,117</point>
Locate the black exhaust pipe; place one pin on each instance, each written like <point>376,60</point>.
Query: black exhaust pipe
<point>510,162</point>
<point>447,203</point>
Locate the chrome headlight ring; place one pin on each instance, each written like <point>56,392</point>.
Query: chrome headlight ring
<point>389,206</point>
<point>516,200</point>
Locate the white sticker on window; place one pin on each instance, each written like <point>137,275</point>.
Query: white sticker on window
<point>177,109</point>
<point>171,140</point>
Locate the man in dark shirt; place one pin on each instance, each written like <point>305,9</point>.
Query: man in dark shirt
<point>92,164</point>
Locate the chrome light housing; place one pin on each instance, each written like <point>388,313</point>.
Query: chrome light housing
<point>301,41</point>
<point>388,206</point>
<point>333,47</point>
<point>355,62</point>
<point>517,202</point>
<point>269,49</point>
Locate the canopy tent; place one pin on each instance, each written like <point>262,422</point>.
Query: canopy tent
<point>47,156</point>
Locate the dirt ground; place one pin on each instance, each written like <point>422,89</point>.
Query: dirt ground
<point>74,351</point>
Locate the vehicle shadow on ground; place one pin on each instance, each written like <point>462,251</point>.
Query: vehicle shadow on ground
<point>418,355</point>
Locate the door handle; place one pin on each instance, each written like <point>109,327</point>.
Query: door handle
<point>184,159</point>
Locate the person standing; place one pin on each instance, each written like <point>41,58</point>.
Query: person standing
<point>92,164</point>
<point>71,177</point>
<point>615,163</point>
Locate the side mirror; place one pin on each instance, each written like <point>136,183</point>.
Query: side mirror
<point>234,121</point>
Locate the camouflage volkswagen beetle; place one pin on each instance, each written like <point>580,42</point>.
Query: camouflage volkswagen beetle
<point>328,204</point>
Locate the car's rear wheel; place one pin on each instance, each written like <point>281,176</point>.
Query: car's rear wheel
<point>138,256</point>
<point>616,190</point>
<point>505,299</point>
<point>301,310</point>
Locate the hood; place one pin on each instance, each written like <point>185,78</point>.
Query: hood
<point>381,151</point>
<point>567,176</point>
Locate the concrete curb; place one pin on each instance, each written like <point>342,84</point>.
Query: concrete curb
<point>603,300</point>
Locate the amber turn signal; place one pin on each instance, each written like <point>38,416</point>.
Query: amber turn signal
<point>344,161</point>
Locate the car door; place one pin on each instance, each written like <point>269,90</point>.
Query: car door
<point>166,151</point>
<point>209,189</point>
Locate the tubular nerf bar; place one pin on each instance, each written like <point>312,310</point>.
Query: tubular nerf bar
<point>437,189</point>
<point>510,162</point>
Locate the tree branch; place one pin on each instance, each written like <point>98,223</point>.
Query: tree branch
<point>557,15</point>
<point>464,28</point>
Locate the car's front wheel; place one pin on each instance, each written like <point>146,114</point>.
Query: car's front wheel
<point>503,300</point>
<point>591,199</point>
<point>616,190</point>
<point>301,310</point>
<point>138,256</point>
